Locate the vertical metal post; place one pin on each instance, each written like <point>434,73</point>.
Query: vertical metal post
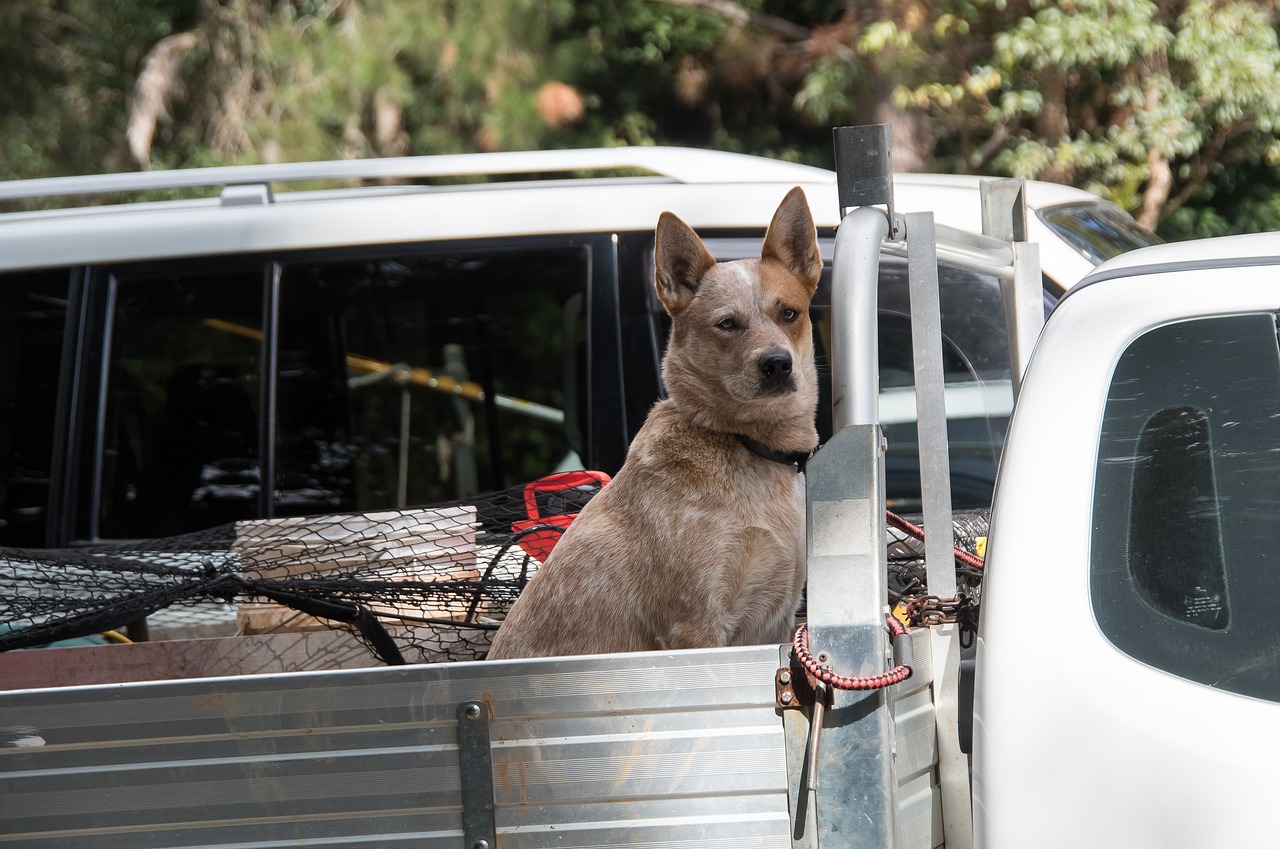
<point>935,488</point>
<point>931,405</point>
<point>1004,216</point>
<point>864,181</point>
<point>855,377</point>
<point>855,803</point>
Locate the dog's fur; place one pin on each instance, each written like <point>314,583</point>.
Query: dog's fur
<point>698,541</point>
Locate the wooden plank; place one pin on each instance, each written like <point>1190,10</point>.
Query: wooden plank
<point>208,658</point>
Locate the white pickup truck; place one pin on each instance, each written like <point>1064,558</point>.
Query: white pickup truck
<point>1126,673</point>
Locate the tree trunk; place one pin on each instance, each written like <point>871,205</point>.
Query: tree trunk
<point>909,131</point>
<point>1156,194</point>
<point>1054,125</point>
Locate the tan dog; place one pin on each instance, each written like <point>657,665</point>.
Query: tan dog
<point>699,539</point>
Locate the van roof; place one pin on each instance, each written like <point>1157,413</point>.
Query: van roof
<point>383,201</point>
<point>678,164</point>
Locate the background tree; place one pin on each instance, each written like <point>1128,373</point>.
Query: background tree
<point>1148,103</point>
<point>65,79</point>
<point>1167,107</point>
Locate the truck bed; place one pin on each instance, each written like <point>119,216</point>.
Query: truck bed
<point>649,749</point>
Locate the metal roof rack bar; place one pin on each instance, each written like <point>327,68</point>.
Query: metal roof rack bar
<point>683,165</point>
<point>962,249</point>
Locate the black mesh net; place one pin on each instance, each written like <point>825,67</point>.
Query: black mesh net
<point>906,556</point>
<point>416,585</point>
<point>908,588</point>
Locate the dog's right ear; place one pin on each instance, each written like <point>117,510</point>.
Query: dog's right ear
<point>679,261</point>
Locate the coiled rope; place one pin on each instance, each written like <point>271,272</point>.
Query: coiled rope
<point>899,673</point>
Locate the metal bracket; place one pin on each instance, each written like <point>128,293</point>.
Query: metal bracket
<point>247,194</point>
<point>1004,209</point>
<point>794,688</point>
<point>476,766</point>
<point>1004,216</point>
<point>864,173</point>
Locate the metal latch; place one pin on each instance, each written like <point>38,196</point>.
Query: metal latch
<point>795,688</point>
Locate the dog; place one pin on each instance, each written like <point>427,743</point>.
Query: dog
<point>699,539</point>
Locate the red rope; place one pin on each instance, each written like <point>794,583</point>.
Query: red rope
<point>840,682</point>
<point>964,557</point>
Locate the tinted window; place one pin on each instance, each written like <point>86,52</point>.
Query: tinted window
<point>180,446</point>
<point>398,379</point>
<point>33,314</point>
<point>1098,231</point>
<point>415,379</point>
<point>1185,571</point>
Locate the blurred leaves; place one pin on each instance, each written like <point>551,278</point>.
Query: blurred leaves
<point>1163,106</point>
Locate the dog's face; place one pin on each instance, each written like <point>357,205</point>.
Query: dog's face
<point>740,357</point>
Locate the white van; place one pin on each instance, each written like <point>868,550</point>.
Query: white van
<point>409,331</point>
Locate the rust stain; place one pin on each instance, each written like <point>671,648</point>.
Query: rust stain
<point>213,700</point>
<point>502,775</point>
<point>524,784</point>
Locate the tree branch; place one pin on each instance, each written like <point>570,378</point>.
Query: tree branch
<point>979,158</point>
<point>745,17</point>
<point>1156,194</point>
<point>1210,156</point>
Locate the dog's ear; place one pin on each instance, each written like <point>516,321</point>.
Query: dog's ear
<point>793,241</point>
<point>679,261</point>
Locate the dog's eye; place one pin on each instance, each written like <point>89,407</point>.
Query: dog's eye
<point>789,315</point>
<point>727,323</point>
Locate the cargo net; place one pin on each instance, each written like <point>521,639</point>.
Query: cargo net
<point>415,585</point>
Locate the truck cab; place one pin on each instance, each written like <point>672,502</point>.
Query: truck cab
<point>1142,637</point>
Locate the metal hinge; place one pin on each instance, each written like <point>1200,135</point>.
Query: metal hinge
<point>475,762</point>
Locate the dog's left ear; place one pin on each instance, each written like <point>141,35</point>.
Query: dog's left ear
<point>679,261</point>
<point>793,241</point>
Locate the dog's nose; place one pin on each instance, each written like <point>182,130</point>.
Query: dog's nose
<point>775,366</point>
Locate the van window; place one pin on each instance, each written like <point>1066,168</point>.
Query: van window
<point>349,383</point>
<point>180,446</point>
<point>33,315</point>
<point>414,379</point>
<point>1099,231</point>
<point>1185,566</point>
<point>976,371</point>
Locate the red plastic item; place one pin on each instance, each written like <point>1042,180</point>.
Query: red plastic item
<point>551,503</point>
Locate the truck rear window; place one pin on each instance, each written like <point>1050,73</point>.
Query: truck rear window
<point>1186,547</point>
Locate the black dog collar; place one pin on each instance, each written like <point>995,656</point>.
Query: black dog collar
<point>795,459</point>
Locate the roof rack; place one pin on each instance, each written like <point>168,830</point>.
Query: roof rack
<point>681,165</point>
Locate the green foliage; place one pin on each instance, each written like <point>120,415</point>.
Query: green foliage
<point>1096,92</point>
<point>1112,95</point>
<point>1237,200</point>
<point>67,70</point>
